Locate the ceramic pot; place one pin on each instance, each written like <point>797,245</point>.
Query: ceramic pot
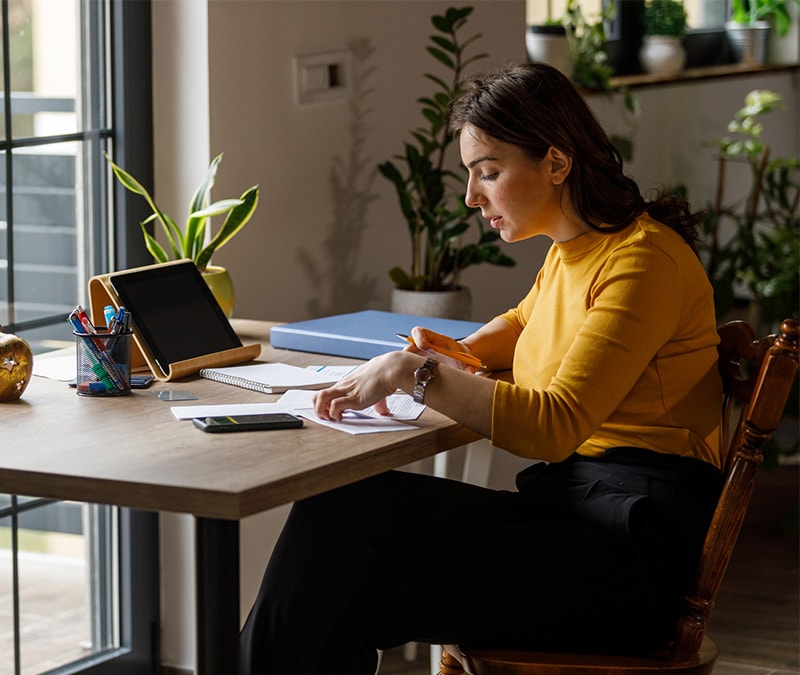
<point>549,44</point>
<point>221,285</point>
<point>443,304</point>
<point>662,55</point>
<point>16,366</point>
<point>748,42</point>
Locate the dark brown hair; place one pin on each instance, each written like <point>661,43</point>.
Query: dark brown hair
<point>534,106</point>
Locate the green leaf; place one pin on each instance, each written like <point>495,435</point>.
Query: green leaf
<point>445,44</point>
<point>217,208</point>
<point>153,247</point>
<point>237,218</point>
<point>401,279</point>
<point>440,56</point>
<point>171,230</point>
<point>438,81</point>
<point>200,198</point>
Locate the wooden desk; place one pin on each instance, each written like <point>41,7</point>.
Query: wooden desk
<point>131,451</point>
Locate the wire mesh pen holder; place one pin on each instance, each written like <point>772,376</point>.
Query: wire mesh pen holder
<point>104,363</point>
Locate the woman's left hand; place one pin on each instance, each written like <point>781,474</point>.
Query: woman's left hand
<point>368,385</point>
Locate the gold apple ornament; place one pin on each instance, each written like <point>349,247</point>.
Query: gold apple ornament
<point>16,366</point>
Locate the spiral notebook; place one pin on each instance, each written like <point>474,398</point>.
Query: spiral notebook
<point>269,378</point>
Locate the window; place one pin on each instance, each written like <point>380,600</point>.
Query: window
<point>702,14</point>
<point>705,41</point>
<point>78,582</point>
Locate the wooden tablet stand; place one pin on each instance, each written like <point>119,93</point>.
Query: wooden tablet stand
<point>101,293</point>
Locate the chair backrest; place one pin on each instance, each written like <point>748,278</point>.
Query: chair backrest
<point>757,377</point>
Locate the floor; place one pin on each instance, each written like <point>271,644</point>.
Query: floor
<point>756,621</point>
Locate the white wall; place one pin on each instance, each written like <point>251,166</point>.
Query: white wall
<point>182,139</point>
<point>292,151</point>
<point>246,109</point>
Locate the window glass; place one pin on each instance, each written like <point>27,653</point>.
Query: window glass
<point>701,13</point>
<point>5,309</point>
<point>43,64</point>
<point>6,597</point>
<point>62,573</point>
<point>45,186</point>
<point>53,587</point>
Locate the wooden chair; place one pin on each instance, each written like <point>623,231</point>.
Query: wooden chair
<point>758,375</point>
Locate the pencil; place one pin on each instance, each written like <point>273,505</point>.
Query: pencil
<point>463,357</point>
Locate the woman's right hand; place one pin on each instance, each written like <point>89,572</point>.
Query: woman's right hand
<point>425,340</point>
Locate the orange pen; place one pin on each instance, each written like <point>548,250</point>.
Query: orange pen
<point>463,357</point>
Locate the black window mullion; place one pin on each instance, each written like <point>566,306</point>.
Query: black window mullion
<point>4,145</point>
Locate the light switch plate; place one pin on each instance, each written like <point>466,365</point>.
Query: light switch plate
<point>322,77</point>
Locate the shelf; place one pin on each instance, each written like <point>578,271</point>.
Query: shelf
<point>704,73</point>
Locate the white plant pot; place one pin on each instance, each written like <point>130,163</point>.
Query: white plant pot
<point>662,55</point>
<point>549,44</point>
<point>443,304</point>
<point>748,42</point>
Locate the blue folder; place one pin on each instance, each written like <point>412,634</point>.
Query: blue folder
<point>361,335</point>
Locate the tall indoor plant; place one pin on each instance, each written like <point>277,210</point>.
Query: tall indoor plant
<point>430,194</point>
<point>752,245</point>
<point>194,241</point>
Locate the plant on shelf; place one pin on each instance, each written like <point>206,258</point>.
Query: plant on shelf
<point>663,26</point>
<point>752,246</point>
<point>591,69</point>
<point>587,38</point>
<point>546,37</point>
<point>191,241</point>
<point>750,25</point>
<point>748,12</point>
<point>429,193</point>
<point>664,17</point>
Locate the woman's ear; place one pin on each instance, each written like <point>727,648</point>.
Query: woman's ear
<point>560,165</point>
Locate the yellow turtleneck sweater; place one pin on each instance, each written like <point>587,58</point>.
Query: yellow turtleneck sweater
<point>616,347</point>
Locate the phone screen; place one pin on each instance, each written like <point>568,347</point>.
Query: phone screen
<point>248,422</point>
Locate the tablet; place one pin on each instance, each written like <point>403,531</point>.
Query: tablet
<point>174,312</point>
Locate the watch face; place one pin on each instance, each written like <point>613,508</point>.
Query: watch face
<point>424,374</point>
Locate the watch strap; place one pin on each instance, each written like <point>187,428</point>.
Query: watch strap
<point>422,377</point>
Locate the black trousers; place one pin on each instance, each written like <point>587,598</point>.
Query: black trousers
<point>588,555</point>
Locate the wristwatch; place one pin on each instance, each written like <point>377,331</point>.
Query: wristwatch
<point>422,377</point>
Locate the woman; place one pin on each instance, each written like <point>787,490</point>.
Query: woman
<point>613,353</point>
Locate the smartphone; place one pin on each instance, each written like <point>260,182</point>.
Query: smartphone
<point>248,422</point>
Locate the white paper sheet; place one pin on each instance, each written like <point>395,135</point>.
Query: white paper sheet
<point>300,402</point>
<point>60,364</point>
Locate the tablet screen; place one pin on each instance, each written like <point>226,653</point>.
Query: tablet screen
<point>174,312</point>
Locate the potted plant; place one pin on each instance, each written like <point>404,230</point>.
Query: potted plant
<point>751,247</point>
<point>749,27</point>
<point>546,40</point>
<point>194,241</point>
<point>663,25</point>
<point>431,195</point>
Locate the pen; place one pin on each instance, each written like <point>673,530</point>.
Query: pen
<point>463,357</point>
<point>109,313</point>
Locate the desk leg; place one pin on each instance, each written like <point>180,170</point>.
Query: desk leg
<point>217,596</point>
